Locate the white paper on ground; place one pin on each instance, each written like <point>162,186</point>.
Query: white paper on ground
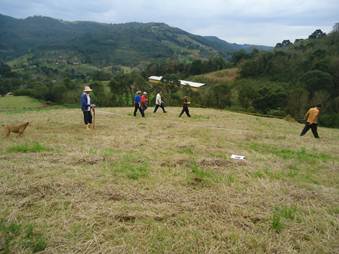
<point>237,157</point>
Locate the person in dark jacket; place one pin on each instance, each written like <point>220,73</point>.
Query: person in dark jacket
<point>185,107</point>
<point>137,104</point>
<point>86,106</point>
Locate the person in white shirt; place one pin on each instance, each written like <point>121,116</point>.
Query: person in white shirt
<point>159,103</point>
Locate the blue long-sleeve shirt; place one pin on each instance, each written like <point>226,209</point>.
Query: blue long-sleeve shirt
<point>84,103</point>
<point>137,99</point>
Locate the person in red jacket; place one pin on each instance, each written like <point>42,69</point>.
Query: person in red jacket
<point>144,101</point>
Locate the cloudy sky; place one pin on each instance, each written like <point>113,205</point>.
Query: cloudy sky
<point>242,21</point>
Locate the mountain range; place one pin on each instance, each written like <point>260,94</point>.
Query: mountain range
<point>107,44</point>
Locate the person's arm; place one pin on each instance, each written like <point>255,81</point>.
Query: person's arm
<point>306,115</point>
<point>317,116</point>
<point>83,101</point>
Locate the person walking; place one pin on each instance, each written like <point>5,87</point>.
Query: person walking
<point>144,101</point>
<point>311,117</point>
<point>137,104</point>
<point>185,107</point>
<point>159,103</point>
<point>86,106</point>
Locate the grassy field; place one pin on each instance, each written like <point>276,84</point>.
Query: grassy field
<point>11,104</point>
<point>167,185</point>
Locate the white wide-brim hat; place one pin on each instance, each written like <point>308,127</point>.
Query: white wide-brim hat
<point>87,89</point>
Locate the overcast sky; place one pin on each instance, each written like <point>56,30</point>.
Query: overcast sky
<point>242,21</point>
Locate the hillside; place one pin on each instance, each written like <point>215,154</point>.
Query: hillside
<point>217,77</point>
<point>105,44</point>
<point>167,185</point>
<point>293,77</point>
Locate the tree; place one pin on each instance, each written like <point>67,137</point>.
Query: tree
<point>220,96</point>
<point>269,97</point>
<point>317,34</point>
<point>297,102</point>
<point>283,44</point>
<point>240,55</point>
<point>247,93</point>
<point>196,67</point>
<point>124,85</point>
<point>316,80</point>
<point>5,70</point>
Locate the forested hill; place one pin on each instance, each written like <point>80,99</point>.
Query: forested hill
<point>103,44</point>
<point>293,77</point>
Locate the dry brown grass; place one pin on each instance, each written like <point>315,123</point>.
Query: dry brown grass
<point>167,185</point>
<point>218,77</point>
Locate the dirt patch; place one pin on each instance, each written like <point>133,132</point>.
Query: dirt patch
<point>134,217</point>
<point>111,195</point>
<point>176,163</point>
<point>92,160</point>
<point>215,163</point>
<point>125,218</point>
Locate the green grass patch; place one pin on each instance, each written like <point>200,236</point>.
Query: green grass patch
<point>108,152</point>
<point>202,176</point>
<point>258,174</point>
<point>291,173</point>
<point>200,117</point>
<point>27,148</point>
<point>301,155</point>
<point>186,150</point>
<point>15,103</point>
<point>281,215</point>
<point>14,237</point>
<point>131,167</point>
<point>334,210</point>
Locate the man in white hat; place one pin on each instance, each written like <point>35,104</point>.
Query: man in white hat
<point>85,102</point>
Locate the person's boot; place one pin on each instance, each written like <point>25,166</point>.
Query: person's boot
<point>88,126</point>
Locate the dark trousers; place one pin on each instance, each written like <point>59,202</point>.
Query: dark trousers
<point>185,110</point>
<point>144,107</point>
<point>313,127</point>
<point>136,108</point>
<point>87,117</point>
<point>161,106</point>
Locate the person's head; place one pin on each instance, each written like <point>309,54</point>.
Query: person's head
<point>145,93</point>
<point>138,92</point>
<point>87,89</point>
<point>185,97</point>
<point>318,106</point>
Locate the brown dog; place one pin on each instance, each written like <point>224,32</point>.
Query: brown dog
<point>16,129</point>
